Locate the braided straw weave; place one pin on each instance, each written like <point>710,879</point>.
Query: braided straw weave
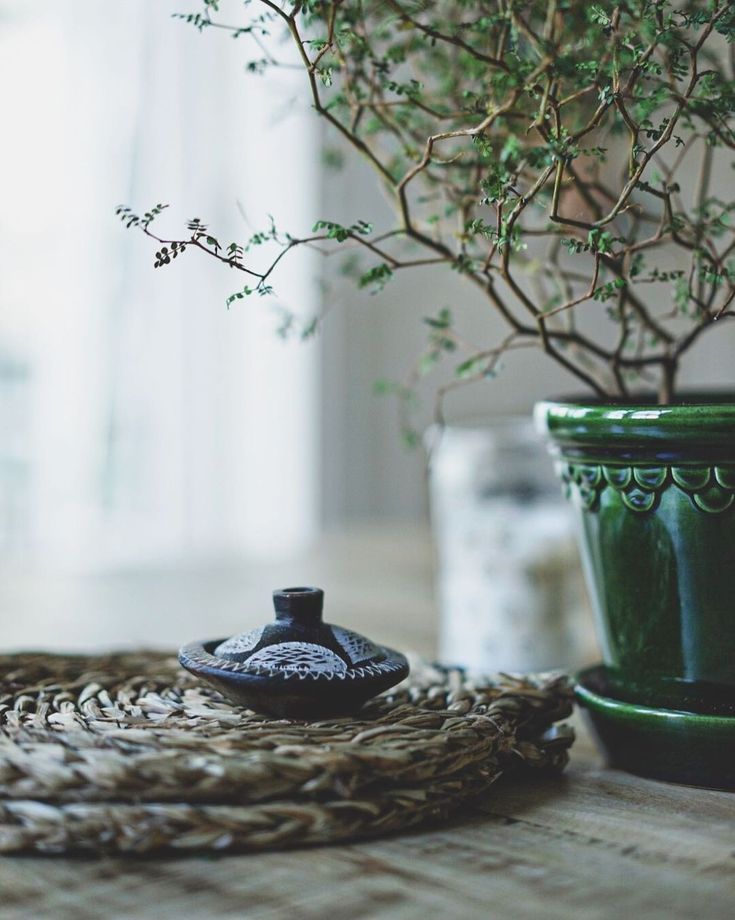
<point>128,753</point>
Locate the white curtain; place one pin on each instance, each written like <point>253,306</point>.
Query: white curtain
<point>140,421</point>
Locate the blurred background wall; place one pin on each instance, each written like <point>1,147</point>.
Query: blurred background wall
<point>140,421</point>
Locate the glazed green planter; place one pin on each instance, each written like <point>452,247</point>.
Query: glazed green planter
<point>654,491</point>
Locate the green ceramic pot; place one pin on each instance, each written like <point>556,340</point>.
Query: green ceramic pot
<point>654,491</point>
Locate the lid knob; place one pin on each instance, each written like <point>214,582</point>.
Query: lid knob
<point>299,605</point>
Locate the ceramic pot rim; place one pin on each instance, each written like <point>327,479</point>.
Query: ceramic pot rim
<point>700,420</point>
<point>614,708</point>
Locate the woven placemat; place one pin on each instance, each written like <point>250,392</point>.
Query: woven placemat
<point>129,753</point>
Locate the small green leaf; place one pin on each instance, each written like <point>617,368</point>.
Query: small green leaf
<point>442,321</point>
<point>376,277</point>
<point>470,367</point>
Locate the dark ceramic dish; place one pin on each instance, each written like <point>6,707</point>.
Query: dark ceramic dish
<point>297,666</point>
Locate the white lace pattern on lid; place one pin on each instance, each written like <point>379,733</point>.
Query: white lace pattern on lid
<point>357,647</point>
<point>238,645</point>
<point>298,657</point>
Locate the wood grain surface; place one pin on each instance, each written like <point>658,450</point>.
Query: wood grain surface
<point>593,843</point>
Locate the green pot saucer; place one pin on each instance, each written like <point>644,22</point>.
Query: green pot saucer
<point>646,738</point>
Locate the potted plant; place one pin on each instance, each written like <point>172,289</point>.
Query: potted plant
<point>559,155</point>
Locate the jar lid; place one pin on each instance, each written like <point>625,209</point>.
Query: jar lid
<point>297,666</point>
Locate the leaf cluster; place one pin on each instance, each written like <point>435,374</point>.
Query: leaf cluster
<point>557,154</point>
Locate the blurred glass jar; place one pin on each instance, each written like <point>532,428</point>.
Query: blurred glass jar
<point>510,585</point>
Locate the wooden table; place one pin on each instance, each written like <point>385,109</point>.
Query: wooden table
<point>593,843</point>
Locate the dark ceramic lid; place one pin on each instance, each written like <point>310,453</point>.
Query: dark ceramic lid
<point>297,665</point>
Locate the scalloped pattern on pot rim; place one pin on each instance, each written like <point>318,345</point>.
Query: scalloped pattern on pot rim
<point>711,489</point>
